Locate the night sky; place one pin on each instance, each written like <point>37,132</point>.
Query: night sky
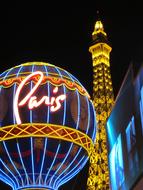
<point>62,36</point>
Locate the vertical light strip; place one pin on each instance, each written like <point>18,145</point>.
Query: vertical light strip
<point>88,115</point>
<point>19,152</point>
<point>64,171</point>
<point>31,141</point>
<point>52,162</point>
<point>93,136</point>
<point>45,143</point>
<point>10,173</point>
<point>71,77</point>
<point>14,120</point>
<point>94,128</point>
<point>43,159</point>
<point>48,88</point>
<point>77,170</point>
<point>5,179</point>
<point>64,89</point>
<point>72,172</point>
<point>64,161</point>
<point>63,123</point>
<point>12,162</point>
<point>78,112</point>
<point>32,160</point>
<point>77,125</point>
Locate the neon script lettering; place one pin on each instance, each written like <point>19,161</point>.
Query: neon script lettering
<point>53,102</point>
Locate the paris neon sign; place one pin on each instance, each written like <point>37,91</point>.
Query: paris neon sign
<point>53,102</point>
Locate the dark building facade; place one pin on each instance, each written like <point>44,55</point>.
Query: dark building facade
<point>125,134</point>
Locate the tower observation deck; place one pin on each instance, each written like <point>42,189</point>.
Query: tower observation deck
<point>103,100</point>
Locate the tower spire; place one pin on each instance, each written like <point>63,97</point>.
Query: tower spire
<point>103,100</point>
<point>98,28</point>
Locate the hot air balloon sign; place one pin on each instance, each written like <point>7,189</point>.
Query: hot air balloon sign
<point>47,126</point>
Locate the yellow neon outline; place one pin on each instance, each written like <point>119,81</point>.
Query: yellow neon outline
<point>76,86</point>
<point>25,73</point>
<point>53,131</point>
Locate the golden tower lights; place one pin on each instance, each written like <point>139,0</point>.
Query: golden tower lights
<point>103,100</point>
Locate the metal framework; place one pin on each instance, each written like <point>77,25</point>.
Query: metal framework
<point>103,100</point>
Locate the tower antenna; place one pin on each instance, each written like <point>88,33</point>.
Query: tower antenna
<point>98,15</point>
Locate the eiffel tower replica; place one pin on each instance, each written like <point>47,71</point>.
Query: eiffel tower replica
<point>103,100</point>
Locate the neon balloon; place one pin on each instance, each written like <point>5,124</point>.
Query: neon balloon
<point>47,126</point>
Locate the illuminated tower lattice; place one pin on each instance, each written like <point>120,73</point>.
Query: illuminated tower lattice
<point>103,100</point>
